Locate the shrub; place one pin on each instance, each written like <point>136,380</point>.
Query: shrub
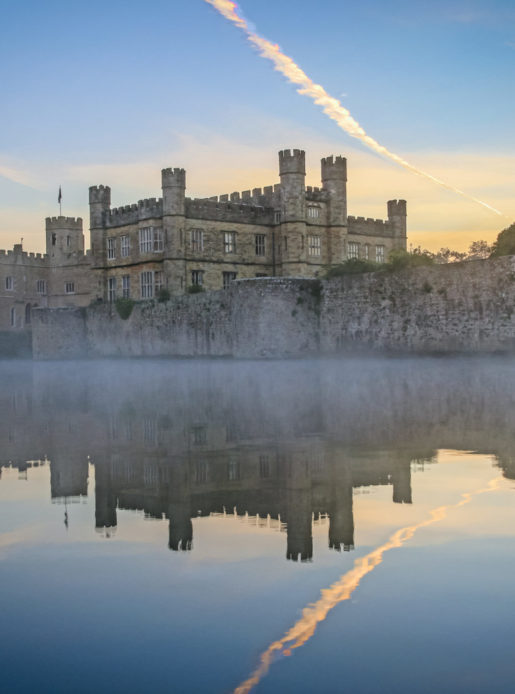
<point>163,295</point>
<point>400,259</point>
<point>354,266</point>
<point>124,307</point>
<point>195,289</point>
<point>505,243</point>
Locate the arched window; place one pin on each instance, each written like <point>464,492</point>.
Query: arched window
<point>27,314</point>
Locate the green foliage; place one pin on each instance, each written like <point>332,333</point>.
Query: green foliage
<point>505,243</point>
<point>354,266</point>
<point>195,289</point>
<point>163,295</point>
<point>124,307</point>
<point>400,259</point>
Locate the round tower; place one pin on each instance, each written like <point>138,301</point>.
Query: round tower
<point>292,170</point>
<point>334,181</point>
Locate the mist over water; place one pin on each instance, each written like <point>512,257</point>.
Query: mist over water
<point>164,523</point>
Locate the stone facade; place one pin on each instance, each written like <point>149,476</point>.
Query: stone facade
<point>176,242</point>
<point>282,230</point>
<point>61,277</point>
<point>462,307</point>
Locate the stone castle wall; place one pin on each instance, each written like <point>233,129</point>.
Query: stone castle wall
<point>466,307</point>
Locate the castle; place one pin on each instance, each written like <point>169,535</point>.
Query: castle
<point>180,244</point>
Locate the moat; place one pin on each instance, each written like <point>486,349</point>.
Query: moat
<point>275,526</point>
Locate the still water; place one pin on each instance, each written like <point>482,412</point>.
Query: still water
<point>322,526</point>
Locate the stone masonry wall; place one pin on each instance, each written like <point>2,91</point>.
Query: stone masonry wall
<point>466,307</point>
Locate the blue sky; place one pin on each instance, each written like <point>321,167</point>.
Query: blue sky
<point>111,92</point>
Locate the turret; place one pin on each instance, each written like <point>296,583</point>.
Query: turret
<point>64,237</point>
<point>397,217</point>
<point>292,170</point>
<point>334,181</point>
<point>174,191</point>
<point>99,204</point>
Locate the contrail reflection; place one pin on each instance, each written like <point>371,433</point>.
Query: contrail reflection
<point>315,613</point>
<point>330,105</point>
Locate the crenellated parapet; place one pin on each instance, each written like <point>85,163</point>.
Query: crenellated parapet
<point>315,194</point>
<point>369,227</point>
<point>225,211</point>
<point>16,255</point>
<point>63,223</point>
<point>269,196</point>
<point>150,208</point>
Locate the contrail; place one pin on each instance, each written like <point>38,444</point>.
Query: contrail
<point>331,106</point>
<point>342,590</point>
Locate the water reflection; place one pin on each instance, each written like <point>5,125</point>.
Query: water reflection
<point>282,443</point>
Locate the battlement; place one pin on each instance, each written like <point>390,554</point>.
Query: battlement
<point>173,178</point>
<point>149,208</point>
<point>100,195</point>
<point>292,161</point>
<point>316,194</point>
<point>64,223</point>
<point>228,211</point>
<point>369,226</point>
<point>334,168</point>
<point>17,254</point>
<point>269,196</point>
<point>397,208</point>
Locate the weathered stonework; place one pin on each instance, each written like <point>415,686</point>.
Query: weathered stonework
<point>465,307</point>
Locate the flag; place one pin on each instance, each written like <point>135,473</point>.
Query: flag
<point>60,196</point>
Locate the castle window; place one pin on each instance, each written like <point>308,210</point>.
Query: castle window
<point>41,287</point>
<point>125,246</point>
<point>314,245</point>
<point>147,285</point>
<point>379,254</point>
<point>197,278</point>
<point>228,277</point>
<point>158,240</point>
<point>353,250</point>
<point>201,472</point>
<point>260,244</point>
<point>277,217</point>
<point>199,435</point>
<point>126,287</point>
<point>69,287</point>
<point>285,243</point>
<point>313,212</point>
<point>158,282</point>
<point>366,251</point>
<point>261,274</point>
<point>54,239</point>
<point>197,240</point>
<point>111,289</point>
<point>111,249</point>
<point>264,466</point>
<point>229,242</point>
<point>13,317</point>
<point>146,240</point>
<point>233,470</point>
<point>9,284</point>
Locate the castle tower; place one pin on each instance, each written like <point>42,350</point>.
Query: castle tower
<point>341,517</point>
<point>334,181</point>
<point>292,171</point>
<point>64,238</point>
<point>397,214</point>
<point>401,481</point>
<point>173,183</point>
<point>99,205</point>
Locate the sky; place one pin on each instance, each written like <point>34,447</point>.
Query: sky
<point>111,93</point>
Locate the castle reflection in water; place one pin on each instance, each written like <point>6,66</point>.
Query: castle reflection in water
<point>284,442</point>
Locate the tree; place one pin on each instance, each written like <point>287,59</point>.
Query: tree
<point>505,243</point>
<point>479,250</point>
